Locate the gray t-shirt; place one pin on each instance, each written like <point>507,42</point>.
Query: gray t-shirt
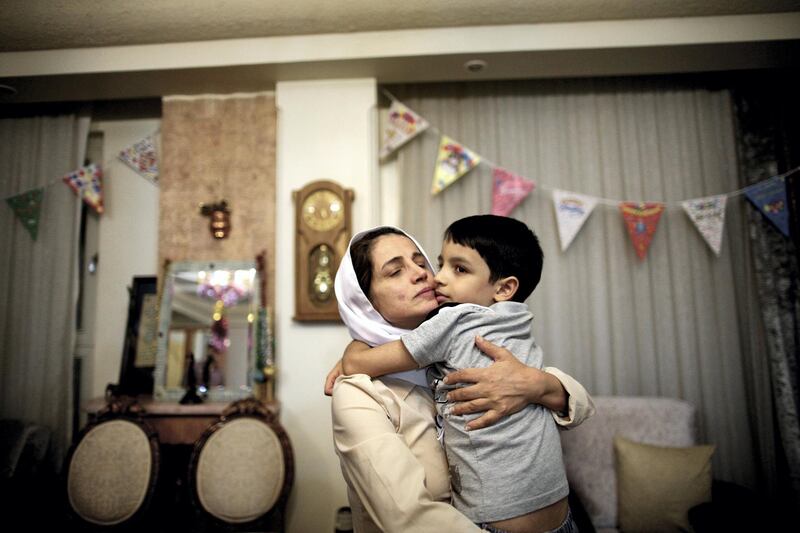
<point>515,466</point>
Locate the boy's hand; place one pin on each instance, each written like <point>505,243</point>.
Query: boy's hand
<point>503,388</point>
<point>338,369</point>
<point>335,372</point>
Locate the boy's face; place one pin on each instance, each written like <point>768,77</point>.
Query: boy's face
<point>463,276</point>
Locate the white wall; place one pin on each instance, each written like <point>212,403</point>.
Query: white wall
<point>127,247</point>
<point>325,131</point>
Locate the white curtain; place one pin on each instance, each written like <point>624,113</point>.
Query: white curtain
<point>38,280</point>
<point>678,324</point>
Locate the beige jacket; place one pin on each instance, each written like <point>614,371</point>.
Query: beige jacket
<point>395,469</point>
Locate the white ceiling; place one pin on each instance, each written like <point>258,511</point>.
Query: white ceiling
<point>57,24</point>
<point>76,50</point>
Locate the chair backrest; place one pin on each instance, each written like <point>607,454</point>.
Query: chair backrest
<point>112,468</point>
<point>242,470</point>
<point>589,448</point>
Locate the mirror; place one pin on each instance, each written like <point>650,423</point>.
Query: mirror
<point>206,330</point>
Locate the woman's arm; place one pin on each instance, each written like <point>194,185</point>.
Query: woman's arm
<point>507,385</point>
<point>580,406</point>
<point>387,447</point>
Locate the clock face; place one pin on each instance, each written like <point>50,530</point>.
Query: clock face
<point>323,210</point>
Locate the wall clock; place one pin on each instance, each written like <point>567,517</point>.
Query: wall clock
<point>323,213</point>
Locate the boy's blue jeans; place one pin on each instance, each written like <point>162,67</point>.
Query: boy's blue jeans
<point>567,526</point>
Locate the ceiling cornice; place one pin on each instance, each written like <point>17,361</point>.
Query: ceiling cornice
<point>60,24</point>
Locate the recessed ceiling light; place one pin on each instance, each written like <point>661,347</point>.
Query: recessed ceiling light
<point>7,90</point>
<point>476,65</point>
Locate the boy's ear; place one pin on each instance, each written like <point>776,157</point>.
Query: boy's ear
<point>505,288</point>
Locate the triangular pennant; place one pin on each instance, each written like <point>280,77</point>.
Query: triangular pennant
<point>402,126</point>
<point>143,158</point>
<point>769,196</point>
<point>87,182</point>
<point>26,207</point>
<point>708,215</point>
<point>454,161</point>
<point>641,219</point>
<point>572,210</point>
<point>508,191</point>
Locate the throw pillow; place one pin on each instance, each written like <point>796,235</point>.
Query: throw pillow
<point>657,485</point>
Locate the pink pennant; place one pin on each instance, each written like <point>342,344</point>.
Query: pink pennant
<point>508,191</point>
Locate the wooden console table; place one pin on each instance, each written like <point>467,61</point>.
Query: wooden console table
<point>179,427</point>
<point>176,423</point>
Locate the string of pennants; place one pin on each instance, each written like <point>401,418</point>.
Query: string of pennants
<point>454,160</point>
<point>87,183</point>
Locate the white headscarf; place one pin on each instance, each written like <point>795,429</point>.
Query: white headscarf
<point>363,321</point>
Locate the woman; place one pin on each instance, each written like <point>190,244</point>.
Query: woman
<point>384,430</point>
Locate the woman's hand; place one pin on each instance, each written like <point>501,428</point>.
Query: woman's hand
<point>335,372</point>
<point>502,388</point>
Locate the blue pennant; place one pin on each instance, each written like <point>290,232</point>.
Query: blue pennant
<point>769,196</point>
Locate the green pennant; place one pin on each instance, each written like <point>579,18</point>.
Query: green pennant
<point>27,207</point>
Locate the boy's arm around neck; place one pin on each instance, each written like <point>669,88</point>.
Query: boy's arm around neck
<point>378,361</point>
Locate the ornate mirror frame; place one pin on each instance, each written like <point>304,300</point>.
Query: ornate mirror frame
<point>217,394</point>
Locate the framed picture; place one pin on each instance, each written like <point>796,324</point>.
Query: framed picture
<point>141,338</point>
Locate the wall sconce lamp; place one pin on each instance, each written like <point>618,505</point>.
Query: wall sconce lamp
<point>219,218</point>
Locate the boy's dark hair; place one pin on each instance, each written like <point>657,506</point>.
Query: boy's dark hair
<point>360,255</point>
<point>507,245</point>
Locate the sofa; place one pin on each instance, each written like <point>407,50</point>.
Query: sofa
<point>636,466</point>
<point>591,460</point>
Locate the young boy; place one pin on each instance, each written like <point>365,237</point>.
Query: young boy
<point>510,476</point>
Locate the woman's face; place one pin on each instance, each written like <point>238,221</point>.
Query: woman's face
<point>402,284</point>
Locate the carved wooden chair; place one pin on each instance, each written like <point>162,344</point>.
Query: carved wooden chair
<point>241,471</point>
<point>111,470</point>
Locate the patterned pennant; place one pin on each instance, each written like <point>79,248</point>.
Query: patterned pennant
<point>454,161</point>
<point>27,207</point>
<point>142,157</point>
<point>87,182</point>
<point>708,215</point>
<point>572,210</point>
<point>641,220</point>
<point>509,190</point>
<point>769,196</point>
<point>404,124</point>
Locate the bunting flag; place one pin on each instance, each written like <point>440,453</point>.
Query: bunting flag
<point>572,210</point>
<point>509,190</point>
<point>404,124</point>
<point>769,196</point>
<point>454,161</point>
<point>142,157</point>
<point>26,207</point>
<point>708,215</point>
<point>641,219</point>
<point>87,182</point>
